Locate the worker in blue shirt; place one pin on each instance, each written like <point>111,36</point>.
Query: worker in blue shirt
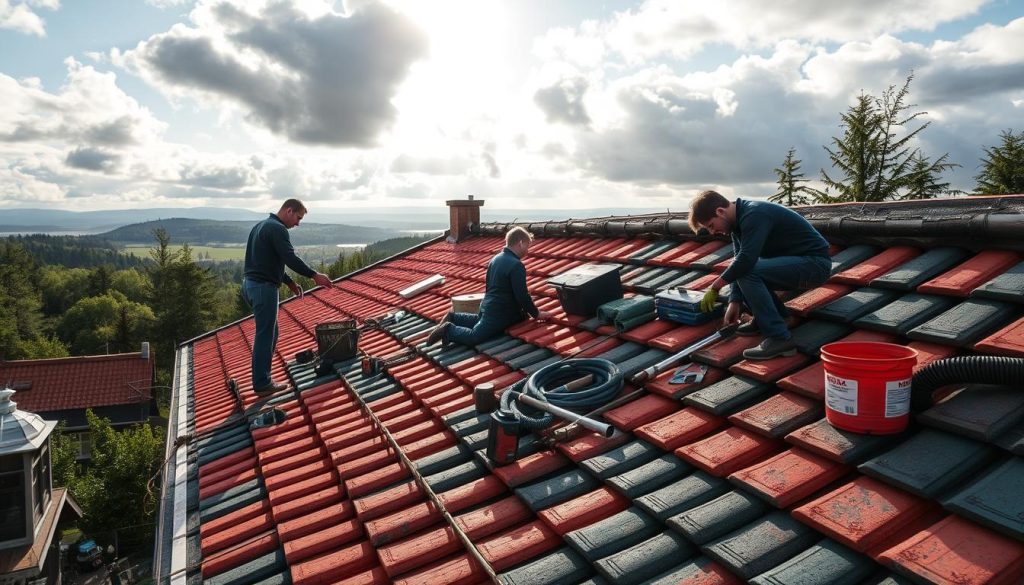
<point>268,250</point>
<point>506,299</point>
<point>774,248</point>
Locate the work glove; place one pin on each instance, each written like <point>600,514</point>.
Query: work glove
<point>708,303</point>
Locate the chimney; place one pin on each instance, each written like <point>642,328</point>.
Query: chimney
<point>464,216</point>
<point>145,350</point>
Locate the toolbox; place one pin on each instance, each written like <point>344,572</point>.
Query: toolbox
<point>683,306</point>
<point>584,288</point>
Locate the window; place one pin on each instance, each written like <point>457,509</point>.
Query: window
<point>41,482</point>
<point>12,498</point>
<point>84,441</point>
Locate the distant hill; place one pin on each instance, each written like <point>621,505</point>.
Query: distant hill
<point>207,232</point>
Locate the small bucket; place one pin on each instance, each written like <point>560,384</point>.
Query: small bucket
<point>867,386</point>
<point>337,341</point>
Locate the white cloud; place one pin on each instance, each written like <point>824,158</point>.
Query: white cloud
<point>301,71</point>
<point>22,17</point>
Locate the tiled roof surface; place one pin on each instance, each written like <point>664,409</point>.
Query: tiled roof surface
<point>79,382</point>
<point>735,478</point>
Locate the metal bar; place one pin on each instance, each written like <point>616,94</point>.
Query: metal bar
<point>598,427</point>
<point>644,375</point>
<point>466,542</point>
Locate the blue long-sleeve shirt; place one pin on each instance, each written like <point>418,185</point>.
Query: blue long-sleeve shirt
<point>506,297</point>
<point>769,230</point>
<point>268,250</point>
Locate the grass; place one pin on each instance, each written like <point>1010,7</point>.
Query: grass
<point>311,254</point>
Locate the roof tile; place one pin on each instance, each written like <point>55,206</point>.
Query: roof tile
<point>728,451</point>
<point>682,427</point>
<point>613,534</point>
<point>583,510</point>
<point>1008,341</point>
<point>717,517</point>
<point>762,545</point>
<point>966,277</point>
<point>686,493</point>
<point>862,513</point>
<point>956,551</point>
<point>870,269</point>
<point>788,477</point>
<point>929,462</point>
<point>779,415</point>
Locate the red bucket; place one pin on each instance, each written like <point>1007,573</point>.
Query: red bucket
<point>867,386</point>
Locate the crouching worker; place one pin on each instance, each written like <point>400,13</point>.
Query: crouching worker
<point>506,300</point>
<point>774,248</point>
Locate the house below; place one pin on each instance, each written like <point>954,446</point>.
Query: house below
<point>117,387</point>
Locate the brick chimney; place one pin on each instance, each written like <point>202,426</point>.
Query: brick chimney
<point>464,216</point>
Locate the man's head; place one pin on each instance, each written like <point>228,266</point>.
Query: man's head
<point>291,213</point>
<point>711,210</point>
<point>518,240</point>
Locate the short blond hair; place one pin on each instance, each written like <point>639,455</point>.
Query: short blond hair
<point>704,206</point>
<point>517,235</point>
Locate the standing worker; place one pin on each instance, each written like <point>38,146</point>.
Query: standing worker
<point>775,248</point>
<point>506,299</point>
<point>267,252</point>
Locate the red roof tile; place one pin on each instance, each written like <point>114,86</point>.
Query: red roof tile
<point>82,382</point>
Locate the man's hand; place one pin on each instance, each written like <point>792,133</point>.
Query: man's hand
<point>323,280</point>
<point>296,289</point>
<point>732,313</point>
<point>708,303</point>
<point>543,316</point>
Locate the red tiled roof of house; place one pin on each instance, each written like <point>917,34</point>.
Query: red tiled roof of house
<point>79,382</point>
<point>734,478</point>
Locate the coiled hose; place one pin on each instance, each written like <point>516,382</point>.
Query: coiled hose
<point>548,384</point>
<point>975,369</point>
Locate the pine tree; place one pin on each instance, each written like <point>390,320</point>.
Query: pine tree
<point>791,192</point>
<point>1002,170</point>
<point>925,181</point>
<point>875,157</point>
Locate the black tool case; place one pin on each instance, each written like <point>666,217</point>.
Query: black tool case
<point>584,288</point>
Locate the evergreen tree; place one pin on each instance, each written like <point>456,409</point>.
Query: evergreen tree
<point>181,296</point>
<point>875,157</point>
<point>925,180</point>
<point>791,192</point>
<point>1002,170</point>
<point>100,279</point>
<point>21,317</point>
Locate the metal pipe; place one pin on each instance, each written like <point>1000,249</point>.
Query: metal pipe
<point>601,428</point>
<point>644,375</point>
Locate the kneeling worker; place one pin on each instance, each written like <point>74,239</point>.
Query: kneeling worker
<point>506,299</point>
<point>774,248</point>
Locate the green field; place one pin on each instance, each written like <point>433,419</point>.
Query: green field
<point>311,254</point>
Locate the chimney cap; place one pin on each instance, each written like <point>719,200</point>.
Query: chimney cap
<point>470,202</point>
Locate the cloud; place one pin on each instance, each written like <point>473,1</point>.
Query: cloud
<point>563,102</point>
<point>89,108</point>
<point>682,29</point>
<point>731,126</point>
<point>21,16</point>
<point>216,176</point>
<point>446,165</point>
<point>93,159</point>
<point>321,79</point>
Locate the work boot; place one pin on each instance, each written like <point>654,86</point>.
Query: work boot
<point>748,329</point>
<point>271,388</point>
<point>438,333</point>
<point>771,347</point>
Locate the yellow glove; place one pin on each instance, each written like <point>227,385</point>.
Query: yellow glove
<point>708,303</point>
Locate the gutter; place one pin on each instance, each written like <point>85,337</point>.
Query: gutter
<point>169,566</point>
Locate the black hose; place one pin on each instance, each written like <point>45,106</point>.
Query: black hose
<point>548,384</point>
<point>975,369</point>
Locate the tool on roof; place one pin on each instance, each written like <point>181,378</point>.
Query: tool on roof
<point>651,372</point>
<point>372,365</point>
<point>572,430</point>
<point>553,391</point>
<point>682,306</point>
<point>584,288</point>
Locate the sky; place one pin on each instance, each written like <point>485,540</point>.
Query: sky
<point>527,104</point>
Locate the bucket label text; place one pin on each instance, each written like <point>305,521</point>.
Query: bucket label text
<point>841,394</point>
<point>897,398</point>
